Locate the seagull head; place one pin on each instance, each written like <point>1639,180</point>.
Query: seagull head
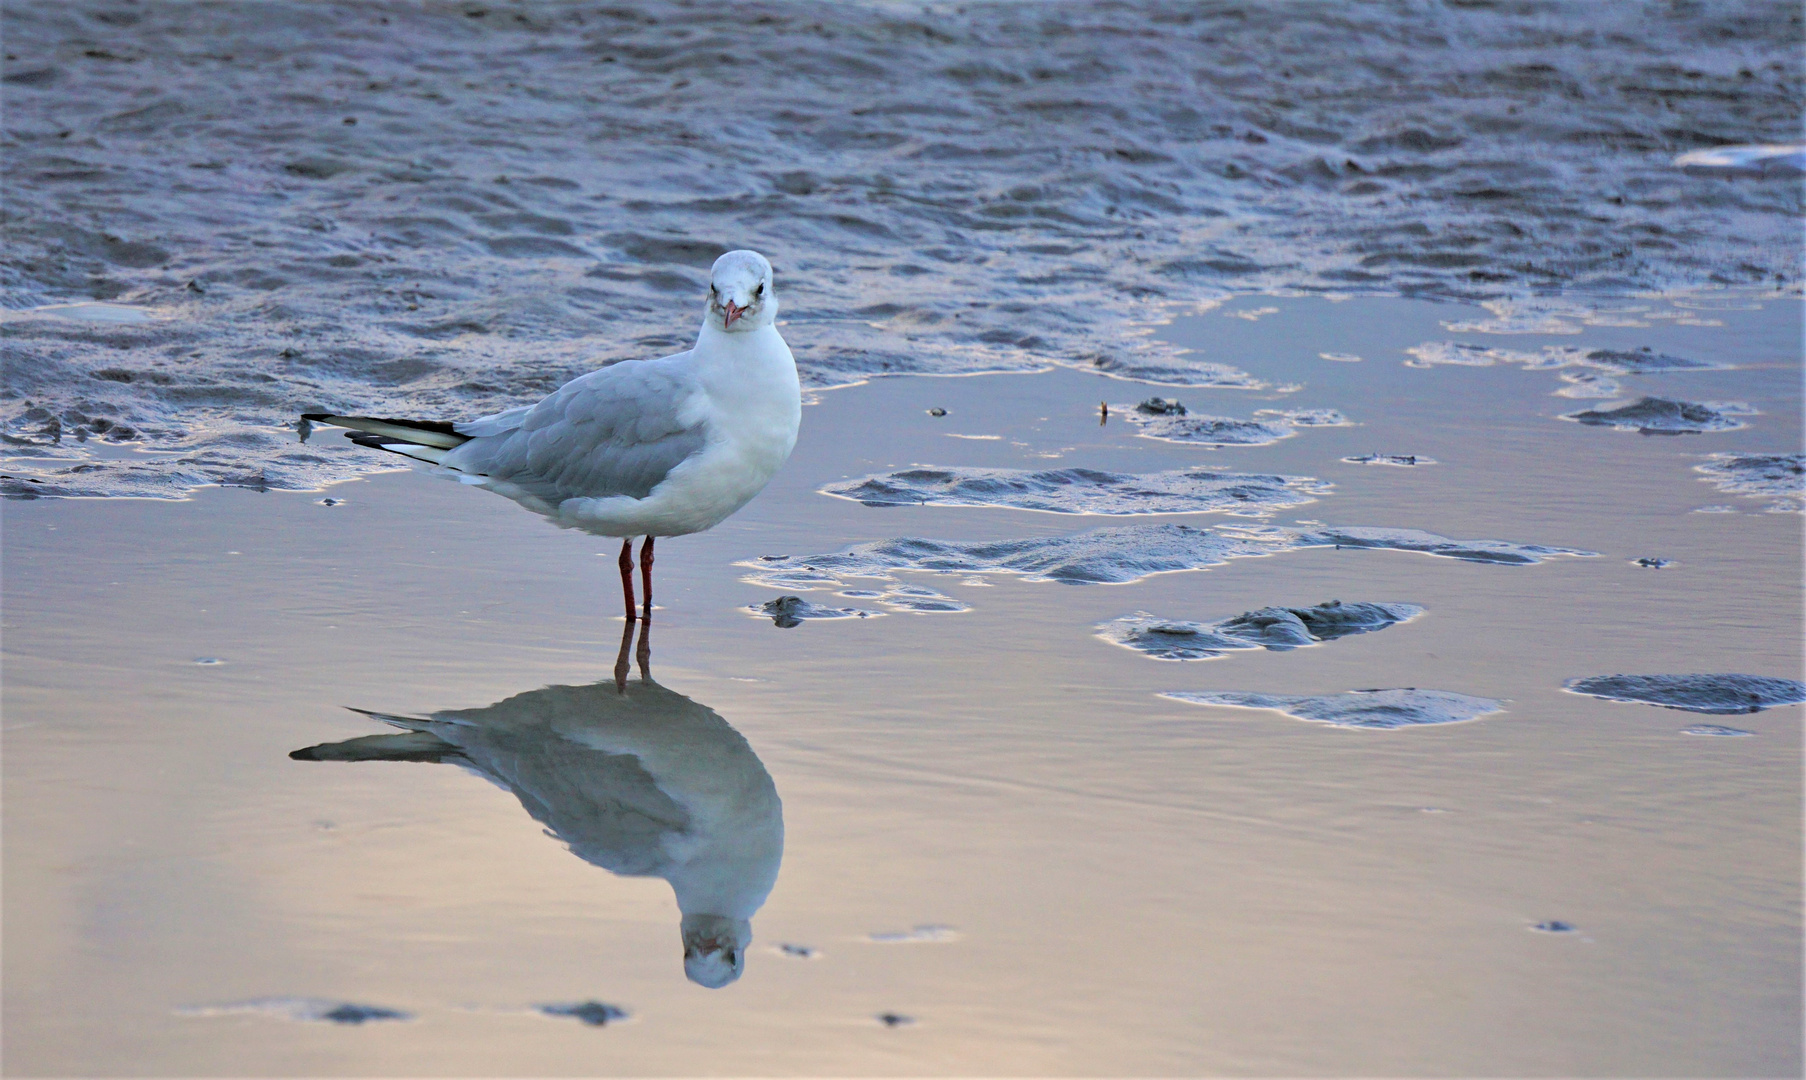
<point>740,295</point>
<point>715,948</point>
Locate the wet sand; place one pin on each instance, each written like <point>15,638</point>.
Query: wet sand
<point>1130,884</point>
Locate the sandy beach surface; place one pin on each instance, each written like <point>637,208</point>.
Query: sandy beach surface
<point>1003,852</point>
<point>1292,566</point>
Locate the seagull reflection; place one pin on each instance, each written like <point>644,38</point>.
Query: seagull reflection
<point>636,779</point>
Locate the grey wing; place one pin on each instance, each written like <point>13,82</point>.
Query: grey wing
<point>616,431</point>
<point>606,806</point>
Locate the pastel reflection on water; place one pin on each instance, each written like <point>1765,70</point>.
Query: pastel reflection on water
<point>635,778</point>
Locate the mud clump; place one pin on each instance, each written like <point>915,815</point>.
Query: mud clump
<point>1643,361</point>
<point>1373,710</point>
<point>1664,416</point>
<point>1716,694</point>
<point>790,611</point>
<point>1275,628</point>
<point>1159,406</point>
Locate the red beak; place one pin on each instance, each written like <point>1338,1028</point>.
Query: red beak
<point>732,313</point>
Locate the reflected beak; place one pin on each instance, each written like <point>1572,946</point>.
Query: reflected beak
<point>732,312</point>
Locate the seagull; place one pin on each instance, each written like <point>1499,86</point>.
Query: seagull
<point>642,782</point>
<point>648,448</point>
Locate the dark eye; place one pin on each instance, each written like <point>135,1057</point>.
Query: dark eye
<point>760,291</point>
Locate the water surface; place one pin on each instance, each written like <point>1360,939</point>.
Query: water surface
<point>995,831</point>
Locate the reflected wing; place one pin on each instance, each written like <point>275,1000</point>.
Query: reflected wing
<point>605,806</point>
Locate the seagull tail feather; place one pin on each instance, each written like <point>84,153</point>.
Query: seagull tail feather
<point>410,746</point>
<point>398,446</point>
<point>432,433</point>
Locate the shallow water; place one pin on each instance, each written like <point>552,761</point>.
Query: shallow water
<point>1003,850</point>
<point>452,207</point>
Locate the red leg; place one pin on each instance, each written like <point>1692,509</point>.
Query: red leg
<point>621,658</point>
<point>646,575</point>
<point>626,563</point>
<point>643,654</point>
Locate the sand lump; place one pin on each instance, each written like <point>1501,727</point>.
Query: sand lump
<point>1367,709</point>
<point>1663,416</point>
<point>1721,694</point>
<point>1275,628</point>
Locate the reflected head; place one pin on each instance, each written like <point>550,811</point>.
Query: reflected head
<point>715,949</point>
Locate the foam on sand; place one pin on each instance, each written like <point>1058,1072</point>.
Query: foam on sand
<point>1084,491</point>
<point>1365,709</point>
<point>1781,477</point>
<point>1109,556</point>
<point>1766,159</point>
<point>1170,421</point>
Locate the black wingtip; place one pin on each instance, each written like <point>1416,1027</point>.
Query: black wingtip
<point>316,417</point>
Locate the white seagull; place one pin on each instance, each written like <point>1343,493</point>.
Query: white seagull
<point>645,448</point>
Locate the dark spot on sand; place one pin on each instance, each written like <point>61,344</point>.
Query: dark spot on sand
<point>593,1013</point>
<point>1403,460</point>
<point>317,168</point>
<point>359,1014</point>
